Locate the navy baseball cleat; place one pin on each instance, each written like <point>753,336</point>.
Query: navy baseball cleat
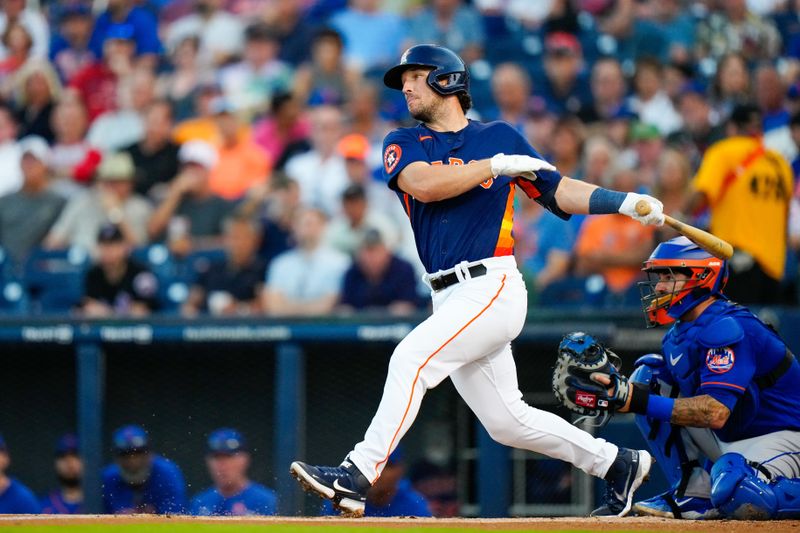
<point>344,485</point>
<point>668,505</point>
<point>630,469</point>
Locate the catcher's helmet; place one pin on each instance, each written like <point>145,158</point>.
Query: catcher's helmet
<point>707,276</point>
<point>445,63</point>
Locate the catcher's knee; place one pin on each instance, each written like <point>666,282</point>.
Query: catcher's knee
<point>738,492</point>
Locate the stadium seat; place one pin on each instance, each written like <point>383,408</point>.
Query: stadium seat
<point>13,298</point>
<point>572,292</point>
<point>54,279</point>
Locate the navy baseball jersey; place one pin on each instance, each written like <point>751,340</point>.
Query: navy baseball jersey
<point>164,491</point>
<point>721,353</point>
<point>406,502</point>
<point>18,499</point>
<point>255,499</point>
<point>476,224</point>
<point>54,503</point>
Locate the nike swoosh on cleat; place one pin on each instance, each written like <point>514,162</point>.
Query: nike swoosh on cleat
<point>338,487</point>
<point>681,502</point>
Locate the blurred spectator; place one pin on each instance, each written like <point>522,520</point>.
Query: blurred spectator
<point>306,280</point>
<point>392,493</point>
<point>110,200</point>
<point>17,42</point>
<point>321,172</point>
<point>36,94</point>
<point>672,187</point>
<point>647,144</point>
<point>295,31</point>
<point>378,279</point>
<point>241,163</point>
<point>346,231</point>
<point>117,285</point>
<point>733,28</point>
<point>568,137</point>
<point>181,84</point>
<point>731,84</point>
<point>452,24</point>
<point>614,245</point>
<point>511,91</point>
<point>676,77</point>
<point>221,33</point>
<point>539,129</point>
<point>69,47</point>
<point>437,485</point>
<point>276,206</point>
<point>233,494</point>
<point>141,481</point>
<point>27,215</point>
<point>325,78</point>
<point>118,128</point>
<point>364,118</point>
<point>599,154</point>
<point>375,48</point>
<point>674,19</point>
<point>250,83</point>
<point>155,157</point>
<point>747,188</point>
<point>71,156</point>
<point>15,498</point>
<point>19,12</point>
<point>564,87</point>
<point>283,130</point>
<point>97,84</point>
<point>355,149</point>
<point>143,30</point>
<point>770,92</point>
<point>191,215</point>
<point>68,497</point>
<point>202,124</point>
<point>794,129</point>
<point>10,154</point>
<point>649,100</point>
<point>608,91</point>
<point>701,126</point>
<point>627,35</point>
<point>232,286</point>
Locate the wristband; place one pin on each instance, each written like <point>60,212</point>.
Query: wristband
<point>660,408</point>
<point>605,202</point>
<point>640,396</point>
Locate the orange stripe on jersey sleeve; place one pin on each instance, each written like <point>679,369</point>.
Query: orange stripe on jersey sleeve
<point>505,241</point>
<point>738,387</point>
<point>408,206</point>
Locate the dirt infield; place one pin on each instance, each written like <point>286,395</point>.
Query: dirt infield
<point>20,522</point>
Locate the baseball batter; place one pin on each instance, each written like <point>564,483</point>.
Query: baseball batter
<point>457,186</point>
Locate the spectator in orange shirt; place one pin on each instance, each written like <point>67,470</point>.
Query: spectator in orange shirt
<point>613,247</point>
<point>242,163</point>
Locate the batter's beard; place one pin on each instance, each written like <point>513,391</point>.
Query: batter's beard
<point>423,115</point>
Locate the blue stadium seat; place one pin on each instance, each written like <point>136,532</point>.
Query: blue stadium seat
<point>13,298</point>
<point>573,292</point>
<point>54,279</point>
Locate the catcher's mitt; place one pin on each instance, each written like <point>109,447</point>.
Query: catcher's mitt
<point>580,356</point>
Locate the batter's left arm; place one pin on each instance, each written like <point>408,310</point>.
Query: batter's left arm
<point>580,198</point>
<point>572,196</point>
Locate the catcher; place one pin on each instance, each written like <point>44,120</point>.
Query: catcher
<point>718,409</point>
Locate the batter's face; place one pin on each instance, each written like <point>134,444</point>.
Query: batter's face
<point>423,103</point>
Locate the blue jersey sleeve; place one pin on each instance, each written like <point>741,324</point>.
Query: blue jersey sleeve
<point>169,488</point>
<point>726,372</point>
<point>262,500</point>
<point>401,148</point>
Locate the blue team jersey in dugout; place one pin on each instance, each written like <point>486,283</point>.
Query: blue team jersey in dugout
<point>476,224</point>
<point>163,492</point>
<point>255,499</point>
<point>18,499</point>
<point>720,354</point>
<point>54,503</point>
<point>406,502</point>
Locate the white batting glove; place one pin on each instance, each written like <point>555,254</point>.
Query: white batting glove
<point>654,217</point>
<point>518,165</point>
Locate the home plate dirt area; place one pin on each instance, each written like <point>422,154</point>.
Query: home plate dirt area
<point>146,523</point>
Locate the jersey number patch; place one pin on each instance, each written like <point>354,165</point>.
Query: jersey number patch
<point>720,360</point>
<point>391,156</point>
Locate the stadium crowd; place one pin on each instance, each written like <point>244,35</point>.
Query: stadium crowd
<point>224,156</point>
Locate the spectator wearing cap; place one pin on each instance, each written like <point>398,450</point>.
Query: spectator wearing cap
<point>155,157</point>
<point>69,46</point>
<point>143,28</point>
<point>98,84</point>
<point>379,280</point>
<point>27,215</point>
<point>110,201</point>
<point>609,90</point>
<point>10,154</point>
<point>325,78</point>
<point>221,33</point>
<point>191,215</point>
<point>649,100</point>
<point>68,497</point>
<point>648,144</point>
<point>355,149</point>
<point>116,285</point>
<point>233,493</point>
<point>284,131</point>
<point>241,163</point>
<point>347,229</point>
<point>18,12</point>
<point>392,494</point>
<point>15,498</point>
<point>250,83</point>
<point>564,88</point>
<point>141,481</point>
<point>233,286</point>
<point>451,23</point>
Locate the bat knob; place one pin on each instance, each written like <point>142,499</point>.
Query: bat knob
<point>642,208</point>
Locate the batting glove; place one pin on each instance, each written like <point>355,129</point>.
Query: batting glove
<point>654,217</point>
<point>518,165</point>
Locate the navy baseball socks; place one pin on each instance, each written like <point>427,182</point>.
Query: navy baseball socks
<point>630,469</point>
<point>344,485</point>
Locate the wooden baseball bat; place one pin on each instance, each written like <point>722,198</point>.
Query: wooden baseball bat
<point>705,240</point>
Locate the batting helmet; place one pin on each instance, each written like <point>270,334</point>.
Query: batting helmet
<point>706,275</point>
<point>445,63</point>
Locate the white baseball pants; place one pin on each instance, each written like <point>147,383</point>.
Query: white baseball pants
<point>467,338</point>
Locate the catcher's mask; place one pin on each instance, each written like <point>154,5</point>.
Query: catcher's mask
<point>680,275</point>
